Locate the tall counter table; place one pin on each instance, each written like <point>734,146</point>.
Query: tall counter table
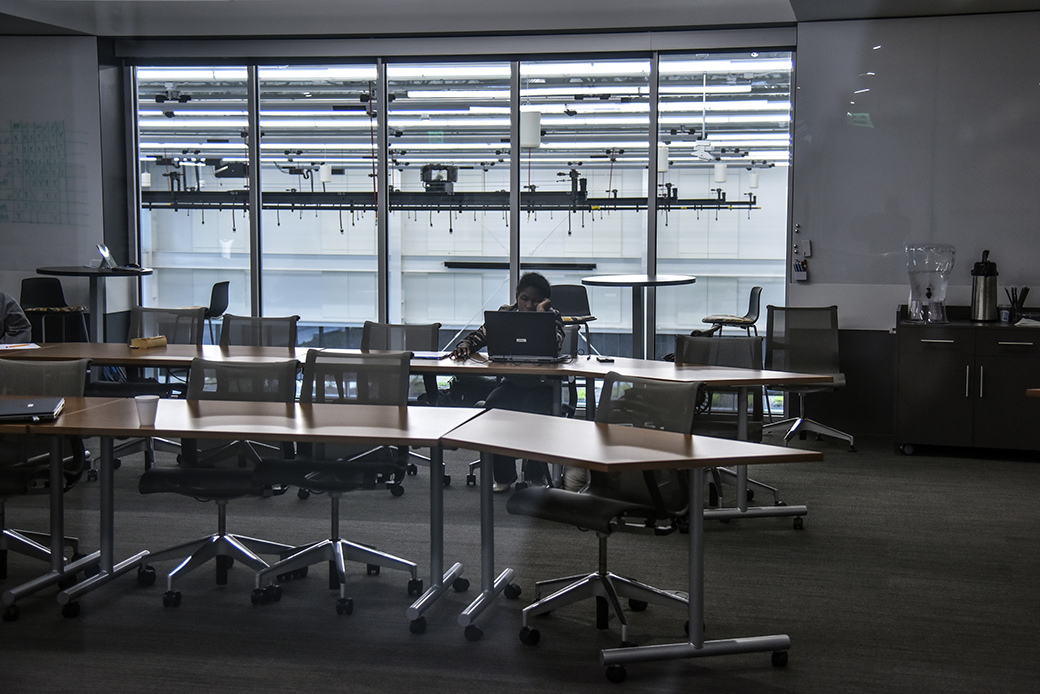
<point>615,448</point>
<point>638,283</point>
<point>110,418</point>
<point>96,277</point>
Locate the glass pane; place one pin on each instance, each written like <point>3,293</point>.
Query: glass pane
<point>319,222</point>
<point>583,172</point>
<point>722,184</point>
<point>194,210</point>
<point>449,167</point>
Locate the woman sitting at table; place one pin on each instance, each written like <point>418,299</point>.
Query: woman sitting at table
<point>518,393</point>
<point>15,326</point>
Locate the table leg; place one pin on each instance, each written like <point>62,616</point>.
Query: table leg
<point>59,568</point>
<point>108,568</point>
<point>695,646</point>
<point>490,586</point>
<point>438,582</point>
<point>97,309</point>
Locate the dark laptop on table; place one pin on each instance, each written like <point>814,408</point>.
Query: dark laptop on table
<point>527,337</point>
<point>30,409</point>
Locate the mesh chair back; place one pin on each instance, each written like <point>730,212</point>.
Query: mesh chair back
<point>802,339</point>
<point>65,379</point>
<point>42,292</point>
<point>252,382</point>
<point>398,336</point>
<point>378,378</point>
<point>650,404</point>
<point>181,326</point>
<point>571,299</point>
<point>250,331</point>
<point>740,352</point>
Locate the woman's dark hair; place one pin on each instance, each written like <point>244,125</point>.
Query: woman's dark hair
<point>534,281</point>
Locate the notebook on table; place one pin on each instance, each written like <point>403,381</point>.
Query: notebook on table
<point>522,336</point>
<point>30,409</point>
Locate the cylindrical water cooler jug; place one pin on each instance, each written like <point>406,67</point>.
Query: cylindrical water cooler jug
<point>929,266</point>
<point>984,290</point>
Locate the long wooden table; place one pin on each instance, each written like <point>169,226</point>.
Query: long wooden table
<point>261,421</point>
<point>614,448</point>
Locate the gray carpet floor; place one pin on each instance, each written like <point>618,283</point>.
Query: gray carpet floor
<point>912,574</point>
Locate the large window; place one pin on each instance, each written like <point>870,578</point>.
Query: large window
<point>723,134</point>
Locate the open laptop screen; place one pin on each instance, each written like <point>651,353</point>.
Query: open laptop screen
<point>521,336</point>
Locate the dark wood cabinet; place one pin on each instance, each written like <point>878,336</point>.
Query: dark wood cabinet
<point>964,384</point>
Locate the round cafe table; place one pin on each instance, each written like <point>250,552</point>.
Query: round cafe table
<point>639,283</point>
<point>96,276</point>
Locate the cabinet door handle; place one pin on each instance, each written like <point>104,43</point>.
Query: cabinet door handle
<point>980,380</point>
<point>941,342</point>
<point>967,380</point>
<point>1017,344</point>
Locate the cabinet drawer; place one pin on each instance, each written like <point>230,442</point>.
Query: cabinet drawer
<point>941,340</point>
<point>999,343</point>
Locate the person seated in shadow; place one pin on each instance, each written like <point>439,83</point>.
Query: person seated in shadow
<point>518,393</point>
<point>15,326</point>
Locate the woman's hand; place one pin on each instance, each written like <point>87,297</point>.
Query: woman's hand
<point>544,305</point>
<point>461,352</point>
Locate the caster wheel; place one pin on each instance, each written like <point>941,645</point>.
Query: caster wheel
<point>257,596</point>
<point>907,449</point>
<point>529,636</point>
<point>460,584</point>
<point>70,611</point>
<point>616,673</point>
<point>417,626</point>
<point>751,495</point>
<point>299,573</point>
<point>637,605</point>
<point>396,490</point>
<point>779,659</point>
<point>171,598</point>
<point>852,449</point>
<point>411,469</point>
<point>415,587</point>
<point>798,523</point>
<point>471,480</point>
<point>473,633</point>
<point>67,581</point>
<point>92,475</point>
<point>272,593</point>
<point>92,570</point>
<point>447,480</point>
<point>627,644</point>
<point>145,576</point>
<point>372,569</point>
<point>345,606</point>
<point>511,591</point>
<point>303,494</point>
<point>520,485</point>
<point>116,464</point>
<point>11,613</point>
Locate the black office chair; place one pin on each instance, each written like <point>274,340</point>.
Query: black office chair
<point>739,352</point>
<point>25,460</point>
<point>651,502</point>
<point>804,340</point>
<point>180,326</point>
<point>253,331</point>
<point>423,337</point>
<point>572,301</point>
<point>218,380</point>
<point>218,303</point>
<point>746,322</point>
<point>345,378</point>
<point>43,301</point>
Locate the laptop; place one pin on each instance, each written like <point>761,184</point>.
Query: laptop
<point>30,409</point>
<point>527,337</point>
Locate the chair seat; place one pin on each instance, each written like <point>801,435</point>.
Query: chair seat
<point>580,510</point>
<point>203,483</point>
<point>323,475</point>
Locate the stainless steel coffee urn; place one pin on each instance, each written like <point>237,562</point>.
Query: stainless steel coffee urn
<point>984,290</point>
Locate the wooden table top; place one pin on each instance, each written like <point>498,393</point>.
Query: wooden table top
<point>609,447</point>
<point>375,424</point>
<point>120,354</point>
